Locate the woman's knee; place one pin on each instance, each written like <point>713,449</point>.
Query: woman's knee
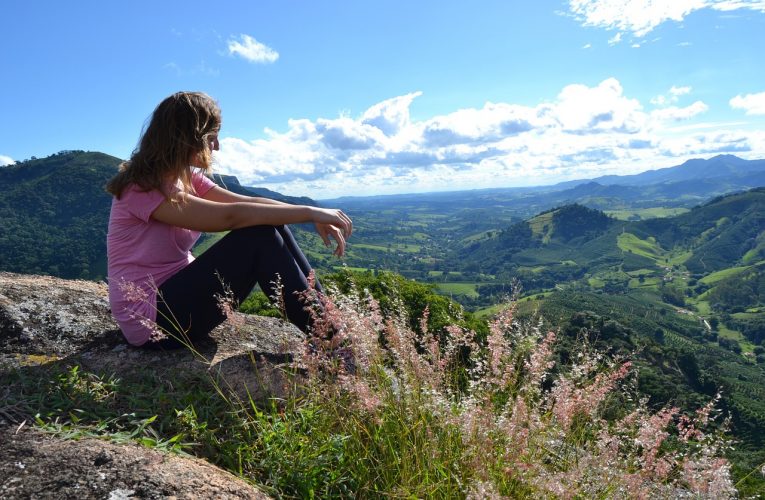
<point>257,234</point>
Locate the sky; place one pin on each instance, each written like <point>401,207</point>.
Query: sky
<point>337,98</point>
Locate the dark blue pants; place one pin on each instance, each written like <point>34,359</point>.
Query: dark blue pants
<point>238,261</point>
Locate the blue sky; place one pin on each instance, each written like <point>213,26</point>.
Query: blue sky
<point>355,98</point>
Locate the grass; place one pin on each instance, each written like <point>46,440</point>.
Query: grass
<point>478,237</point>
<point>458,288</point>
<point>351,268</point>
<point>488,312</point>
<point>542,226</point>
<point>646,213</point>
<point>392,247</point>
<point>437,274</point>
<point>596,282</point>
<point>746,345</point>
<point>755,254</point>
<point>628,242</point>
<point>679,258</point>
<point>648,283</point>
<point>717,276</point>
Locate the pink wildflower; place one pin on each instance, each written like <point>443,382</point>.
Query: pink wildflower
<point>133,292</point>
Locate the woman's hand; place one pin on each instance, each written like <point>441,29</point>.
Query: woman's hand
<point>327,230</point>
<point>333,223</point>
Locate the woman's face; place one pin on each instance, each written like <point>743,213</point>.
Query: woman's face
<point>213,143</point>
<point>198,159</point>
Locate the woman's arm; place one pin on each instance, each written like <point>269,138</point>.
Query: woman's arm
<point>200,214</point>
<point>325,230</point>
<point>221,195</point>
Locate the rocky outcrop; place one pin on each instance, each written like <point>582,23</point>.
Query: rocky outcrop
<point>36,465</point>
<point>46,321</point>
<point>41,315</point>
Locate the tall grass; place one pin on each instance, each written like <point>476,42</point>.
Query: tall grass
<point>374,409</point>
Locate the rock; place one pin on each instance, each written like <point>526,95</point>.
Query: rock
<point>37,465</point>
<point>41,315</point>
<point>46,321</point>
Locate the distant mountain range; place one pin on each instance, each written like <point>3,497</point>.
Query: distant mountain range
<point>684,185</point>
<point>725,168</point>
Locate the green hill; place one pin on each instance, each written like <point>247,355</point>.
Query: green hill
<point>54,214</point>
<point>719,234</point>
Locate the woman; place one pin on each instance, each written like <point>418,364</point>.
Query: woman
<point>161,204</point>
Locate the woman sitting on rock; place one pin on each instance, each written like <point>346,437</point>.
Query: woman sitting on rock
<point>162,201</point>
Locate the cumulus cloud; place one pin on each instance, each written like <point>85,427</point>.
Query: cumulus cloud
<point>640,17</point>
<point>252,50</point>
<point>391,115</point>
<point>673,96</point>
<point>584,131</point>
<point>753,104</point>
<point>673,113</point>
<point>585,110</point>
<point>6,160</point>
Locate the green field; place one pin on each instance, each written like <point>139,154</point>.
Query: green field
<point>645,213</point>
<point>392,247</point>
<point>437,274</point>
<point>457,288</point>
<point>713,278</point>
<point>628,242</point>
<point>542,226</point>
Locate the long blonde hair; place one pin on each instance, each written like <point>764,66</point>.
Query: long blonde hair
<point>180,128</point>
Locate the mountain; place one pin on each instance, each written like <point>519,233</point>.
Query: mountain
<point>724,233</point>
<point>54,213</point>
<point>729,168</point>
<point>231,183</point>
<point>560,231</point>
<point>686,185</point>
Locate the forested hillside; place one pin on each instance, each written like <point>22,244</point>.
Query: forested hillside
<point>54,214</point>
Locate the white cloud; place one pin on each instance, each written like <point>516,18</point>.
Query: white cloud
<point>678,91</point>
<point>391,115</point>
<point>252,50</point>
<point>673,113</point>
<point>584,131</point>
<point>581,109</point>
<point>674,95</point>
<point>753,104</point>
<point>640,17</point>
<point>6,160</point>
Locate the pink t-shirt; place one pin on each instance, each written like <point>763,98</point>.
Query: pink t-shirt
<point>143,253</point>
